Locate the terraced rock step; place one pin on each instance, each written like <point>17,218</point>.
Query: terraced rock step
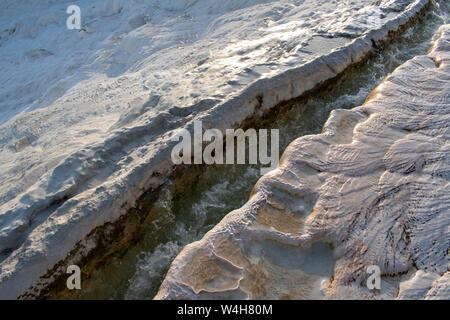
<point>372,189</point>
<point>92,134</point>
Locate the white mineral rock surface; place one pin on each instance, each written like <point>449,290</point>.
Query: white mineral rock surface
<point>372,189</point>
<point>86,116</point>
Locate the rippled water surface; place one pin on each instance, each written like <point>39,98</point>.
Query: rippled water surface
<point>137,272</point>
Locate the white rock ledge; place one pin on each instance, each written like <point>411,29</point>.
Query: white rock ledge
<point>374,186</point>
<point>95,133</point>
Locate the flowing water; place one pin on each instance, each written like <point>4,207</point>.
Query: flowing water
<point>137,272</point>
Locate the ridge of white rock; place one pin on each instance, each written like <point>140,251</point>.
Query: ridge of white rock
<point>87,116</point>
<point>372,189</point>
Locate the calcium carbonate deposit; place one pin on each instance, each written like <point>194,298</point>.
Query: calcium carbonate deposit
<point>371,190</point>
<point>87,117</point>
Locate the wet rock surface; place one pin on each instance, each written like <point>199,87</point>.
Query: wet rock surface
<point>372,189</point>
<point>87,122</point>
